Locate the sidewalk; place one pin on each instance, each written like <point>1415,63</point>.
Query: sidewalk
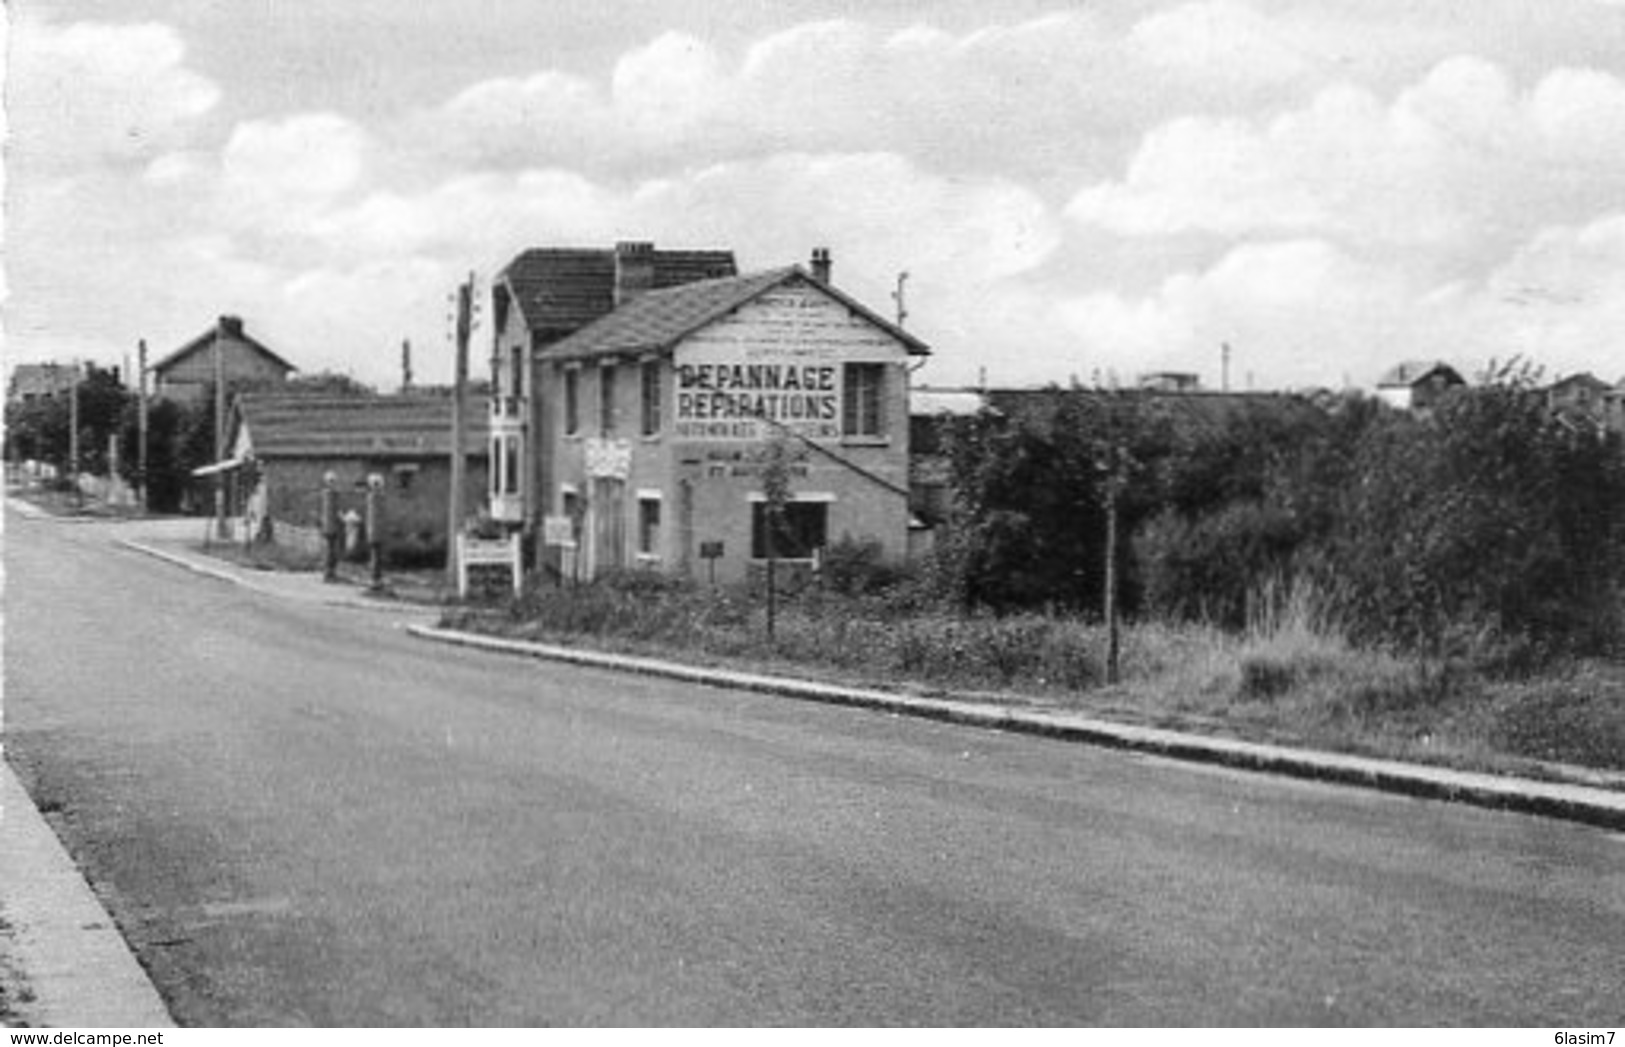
<point>168,540</point>
<point>63,962</point>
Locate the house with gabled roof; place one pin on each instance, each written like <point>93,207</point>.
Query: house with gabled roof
<point>1580,400</point>
<point>40,381</point>
<point>224,353</point>
<point>651,424</point>
<point>545,294</point>
<point>282,446</point>
<point>1417,384</point>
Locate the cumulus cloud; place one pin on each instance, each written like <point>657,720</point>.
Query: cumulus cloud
<point>1104,190</point>
<point>1020,97</point>
<point>90,93</point>
<point>1457,154</point>
<point>1221,39</point>
<point>284,173</point>
<point>1297,312</point>
<point>1304,312</point>
<point>879,212</point>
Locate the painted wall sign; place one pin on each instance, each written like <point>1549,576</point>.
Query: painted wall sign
<point>609,459</point>
<point>775,363</point>
<point>726,401</point>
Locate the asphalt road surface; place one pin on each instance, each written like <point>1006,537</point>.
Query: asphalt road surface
<point>297,814</point>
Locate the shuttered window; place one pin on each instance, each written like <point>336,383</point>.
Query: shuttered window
<point>863,400</point>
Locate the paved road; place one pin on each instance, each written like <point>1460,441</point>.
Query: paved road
<point>299,815</point>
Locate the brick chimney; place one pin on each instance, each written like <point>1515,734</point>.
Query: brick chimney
<point>820,264</point>
<point>230,327</point>
<point>634,269</point>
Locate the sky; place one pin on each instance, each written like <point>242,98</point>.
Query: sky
<point>1089,191</point>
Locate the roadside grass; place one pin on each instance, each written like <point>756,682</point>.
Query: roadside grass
<point>1291,678</point>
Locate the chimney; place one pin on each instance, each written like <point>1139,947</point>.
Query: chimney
<point>820,264</point>
<point>634,269</point>
<point>230,327</point>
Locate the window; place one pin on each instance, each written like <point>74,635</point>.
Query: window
<point>510,465</point>
<point>863,392</point>
<point>648,526</point>
<point>576,510</point>
<point>649,375</point>
<point>606,399</point>
<point>516,371</point>
<point>404,475</point>
<point>802,530</point>
<point>572,401</point>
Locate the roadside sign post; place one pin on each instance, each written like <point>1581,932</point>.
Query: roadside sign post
<point>480,558</point>
<point>711,552</point>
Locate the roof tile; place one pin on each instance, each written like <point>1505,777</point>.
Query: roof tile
<point>306,426</point>
<point>560,289</point>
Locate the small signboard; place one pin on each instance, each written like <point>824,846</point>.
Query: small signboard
<point>488,564</point>
<point>558,530</point>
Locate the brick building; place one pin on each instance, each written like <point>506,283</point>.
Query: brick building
<point>283,445</point>
<point>190,372</point>
<point>644,430</point>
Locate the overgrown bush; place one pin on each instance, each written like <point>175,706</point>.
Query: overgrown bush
<point>1204,569</point>
<point>1486,528</point>
<point>857,567</point>
<point>1490,522</point>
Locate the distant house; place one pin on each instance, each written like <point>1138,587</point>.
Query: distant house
<point>1417,384</point>
<point>190,371</point>
<point>47,381</point>
<point>1171,382</point>
<point>1583,400</point>
<point>282,447</point>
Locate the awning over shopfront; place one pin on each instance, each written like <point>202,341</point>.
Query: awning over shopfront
<point>225,466</point>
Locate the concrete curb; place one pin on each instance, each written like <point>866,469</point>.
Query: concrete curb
<point>76,967</point>
<point>226,574</point>
<point>1578,803</point>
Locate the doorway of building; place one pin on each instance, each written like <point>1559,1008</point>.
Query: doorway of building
<point>609,524</point>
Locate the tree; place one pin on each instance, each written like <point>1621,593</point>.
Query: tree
<point>776,456</point>
<point>1031,514</point>
<point>40,429</point>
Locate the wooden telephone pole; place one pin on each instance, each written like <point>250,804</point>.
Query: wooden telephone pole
<point>73,433</point>
<point>459,424</point>
<point>141,416</point>
<point>222,531</point>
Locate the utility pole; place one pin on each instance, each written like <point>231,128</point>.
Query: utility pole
<point>219,436</point>
<point>141,423</point>
<point>1113,637</point>
<point>73,431</point>
<point>455,509</point>
<point>1111,462</point>
<point>1224,379</point>
<point>406,365</point>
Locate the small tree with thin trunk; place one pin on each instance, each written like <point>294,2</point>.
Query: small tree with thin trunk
<point>775,496</point>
